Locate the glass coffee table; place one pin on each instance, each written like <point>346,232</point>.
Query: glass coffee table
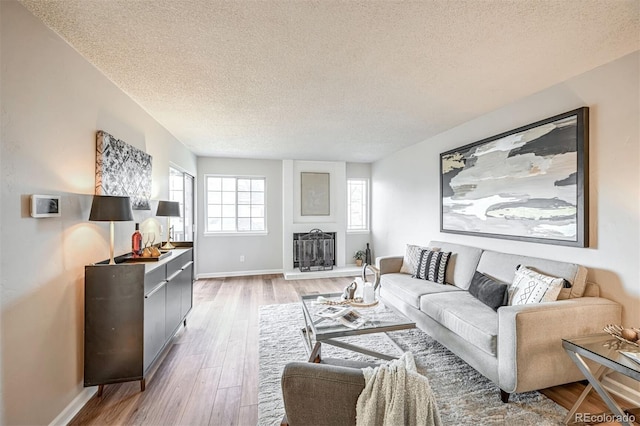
<point>604,350</point>
<point>318,330</point>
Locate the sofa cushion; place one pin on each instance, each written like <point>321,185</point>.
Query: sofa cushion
<point>432,265</point>
<point>502,267</point>
<point>489,291</point>
<point>466,316</point>
<point>462,263</point>
<point>410,289</point>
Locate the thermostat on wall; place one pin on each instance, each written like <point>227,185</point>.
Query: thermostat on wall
<point>45,205</point>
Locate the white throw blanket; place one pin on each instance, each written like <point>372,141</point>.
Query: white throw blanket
<point>395,394</point>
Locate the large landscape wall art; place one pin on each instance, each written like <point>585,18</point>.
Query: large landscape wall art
<point>527,184</point>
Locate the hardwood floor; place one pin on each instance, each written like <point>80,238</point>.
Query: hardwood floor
<point>209,376</point>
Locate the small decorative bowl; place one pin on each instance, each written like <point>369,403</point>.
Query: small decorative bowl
<point>616,331</point>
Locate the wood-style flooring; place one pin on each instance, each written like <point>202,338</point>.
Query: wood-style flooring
<point>209,375</point>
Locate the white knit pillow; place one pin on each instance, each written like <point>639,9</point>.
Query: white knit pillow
<point>412,258</point>
<point>532,287</point>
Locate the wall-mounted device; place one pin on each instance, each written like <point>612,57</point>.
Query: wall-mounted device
<point>45,206</point>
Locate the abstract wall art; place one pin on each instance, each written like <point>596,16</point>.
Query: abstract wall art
<point>314,194</point>
<point>122,169</point>
<point>528,184</point>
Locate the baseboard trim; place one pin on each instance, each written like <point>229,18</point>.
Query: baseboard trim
<point>623,391</point>
<point>238,273</point>
<point>74,406</point>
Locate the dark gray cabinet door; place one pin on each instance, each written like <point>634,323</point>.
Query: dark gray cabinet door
<point>186,285</point>
<point>174,300</point>
<point>154,322</point>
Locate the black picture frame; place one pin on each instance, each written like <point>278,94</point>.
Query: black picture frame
<point>526,184</point>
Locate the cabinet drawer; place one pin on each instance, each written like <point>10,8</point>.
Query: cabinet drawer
<point>154,277</point>
<point>179,262</point>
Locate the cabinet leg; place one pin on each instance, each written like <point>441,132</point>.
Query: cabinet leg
<point>143,385</point>
<point>100,389</point>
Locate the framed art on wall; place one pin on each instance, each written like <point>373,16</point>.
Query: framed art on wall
<point>528,184</point>
<point>123,170</point>
<point>314,194</point>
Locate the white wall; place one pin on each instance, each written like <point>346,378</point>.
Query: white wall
<point>358,240</point>
<point>53,102</point>
<point>219,255</point>
<point>406,184</point>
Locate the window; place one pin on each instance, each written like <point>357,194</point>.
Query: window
<point>357,205</point>
<point>235,204</point>
<point>181,190</point>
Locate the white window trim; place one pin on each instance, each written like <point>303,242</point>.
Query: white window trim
<point>368,215</point>
<point>236,233</point>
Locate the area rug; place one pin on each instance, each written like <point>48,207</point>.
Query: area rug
<point>464,396</point>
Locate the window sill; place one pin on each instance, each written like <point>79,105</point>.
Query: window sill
<point>367,231</point>
<point>236,234</point>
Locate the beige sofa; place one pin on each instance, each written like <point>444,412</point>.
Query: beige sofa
<point>519,348</point>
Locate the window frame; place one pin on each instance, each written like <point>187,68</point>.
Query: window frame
<point>366,205</point>
<point>235,232</point>
<point>188,235</point>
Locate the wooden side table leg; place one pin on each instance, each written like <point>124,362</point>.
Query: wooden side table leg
<point>100,390</point>
<point>143,385</point>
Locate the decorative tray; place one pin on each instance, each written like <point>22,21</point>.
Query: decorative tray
<point>148,259</point>
<point>356,303</point>
<point>616,331</point>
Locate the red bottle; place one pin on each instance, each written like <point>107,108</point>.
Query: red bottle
<point>136,242</point>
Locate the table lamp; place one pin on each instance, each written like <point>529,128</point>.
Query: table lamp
<point>168,209</point>
<point>109,208</point>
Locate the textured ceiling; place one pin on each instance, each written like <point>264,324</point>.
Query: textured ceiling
<point>335,80</point>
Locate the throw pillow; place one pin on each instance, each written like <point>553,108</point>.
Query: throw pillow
<point>411,259</point>
<point>432,265</point>
<point>533,287</point>
<point>489,291</point>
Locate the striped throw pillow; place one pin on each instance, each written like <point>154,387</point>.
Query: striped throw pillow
<point>432,265</point>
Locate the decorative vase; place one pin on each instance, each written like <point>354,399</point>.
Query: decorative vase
<point>367,256</point>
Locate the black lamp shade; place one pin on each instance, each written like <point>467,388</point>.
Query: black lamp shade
<point>168,208</point>
<point>105,208</point>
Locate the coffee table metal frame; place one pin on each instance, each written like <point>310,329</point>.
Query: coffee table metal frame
<point>314,336</point>
<point>602,349</point>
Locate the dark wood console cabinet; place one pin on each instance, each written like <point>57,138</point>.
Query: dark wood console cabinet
<point>131,312</point>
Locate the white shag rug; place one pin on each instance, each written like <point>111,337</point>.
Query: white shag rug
<point>464,396</point>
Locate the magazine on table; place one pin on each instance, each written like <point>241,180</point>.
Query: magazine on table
<point>344,315</point>
<point>333,311</point>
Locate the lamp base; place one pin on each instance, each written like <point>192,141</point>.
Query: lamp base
<point>168,246</point>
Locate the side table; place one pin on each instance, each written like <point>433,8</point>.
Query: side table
<point>603,349</point>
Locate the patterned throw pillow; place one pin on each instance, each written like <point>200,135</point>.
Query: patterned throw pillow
<point>432,265</point>
<point>411,259</point>
<point>532,287</point>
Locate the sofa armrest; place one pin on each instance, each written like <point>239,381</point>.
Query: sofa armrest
<point>315,394</point>
<point>389,264</point>
<point>530,353</point>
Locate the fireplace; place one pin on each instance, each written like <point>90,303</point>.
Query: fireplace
<point>314,251</point>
